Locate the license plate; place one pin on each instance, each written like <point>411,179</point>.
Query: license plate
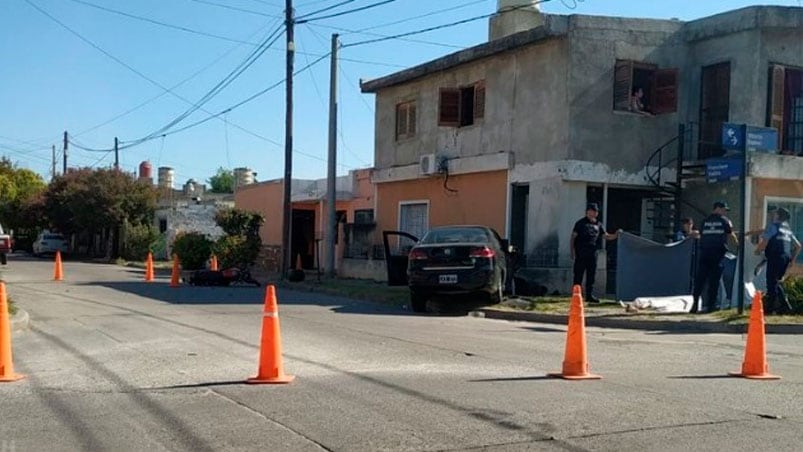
<point>447,279</point>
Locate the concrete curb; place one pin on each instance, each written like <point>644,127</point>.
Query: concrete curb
<point>20,321</point>
<point>678,326</point>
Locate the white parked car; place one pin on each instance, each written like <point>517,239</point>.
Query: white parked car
<point>49,242</point>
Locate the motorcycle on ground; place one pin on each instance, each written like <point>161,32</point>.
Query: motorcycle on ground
<point>225,277</point>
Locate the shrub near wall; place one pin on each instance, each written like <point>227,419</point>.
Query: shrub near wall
<point>794,292</point>
<point>193,250</point>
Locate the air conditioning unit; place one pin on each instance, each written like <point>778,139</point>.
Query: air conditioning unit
<point>428,164</point>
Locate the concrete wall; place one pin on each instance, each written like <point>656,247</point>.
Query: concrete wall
<point>363,269</point>
<point>597,132</point>
<point>524,113</point>
<point>188,218</point>
<point>481,198</point>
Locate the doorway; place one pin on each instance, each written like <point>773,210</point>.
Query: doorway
<point>519,202</point>
<point>303,242</point>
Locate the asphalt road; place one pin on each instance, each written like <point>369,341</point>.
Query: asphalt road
<point>114,363</point>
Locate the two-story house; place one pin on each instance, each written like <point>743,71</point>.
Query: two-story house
<point>520,132</point>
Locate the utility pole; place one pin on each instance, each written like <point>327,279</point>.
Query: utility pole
<point>331,180</point>
<point>53,163</point>
<point>64,170</point>
<point>116,155</point>
<point>287,218</point>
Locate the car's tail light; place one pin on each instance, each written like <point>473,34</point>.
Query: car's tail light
<point>417,254</point>
<point>483,251</point>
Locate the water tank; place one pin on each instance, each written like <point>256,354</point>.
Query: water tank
<point>146,171</point>
<point>166,177</point>
<point>243,176</point>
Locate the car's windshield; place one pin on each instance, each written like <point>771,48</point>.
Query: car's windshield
<point>53,237</point>
<point>456,235</point>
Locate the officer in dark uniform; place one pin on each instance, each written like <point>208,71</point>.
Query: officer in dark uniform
<point>714,233</point>
<point>780,247</point>
<point>587,237</point>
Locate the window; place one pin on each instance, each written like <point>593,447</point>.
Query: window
<point>162,225</point>
<point>659,87</point>
<point>364,216</point>
<point>460,107</point>
<point>414,217</point>
<point>714,108</point>
<point>405,120</point>
<point>785,107</point>
<point>795,208</point>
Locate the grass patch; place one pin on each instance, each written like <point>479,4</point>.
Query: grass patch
<point>360,289</point>
<point>556,304</point>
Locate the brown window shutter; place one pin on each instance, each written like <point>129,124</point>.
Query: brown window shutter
<point>622,84</point>
<point>411,119</point>
<point>401,120</point>
<point>777,83</point>
<point>665,91</point>
<point>479,100</point>
<point>449,107</point>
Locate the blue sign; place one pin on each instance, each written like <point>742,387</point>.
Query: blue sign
<point>723,170</point>
<point>741,137</point>
<point>733,137</point>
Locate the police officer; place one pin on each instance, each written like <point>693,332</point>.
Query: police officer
<point>780,247</point>
<point>714,233</point>
<point>586,240</point>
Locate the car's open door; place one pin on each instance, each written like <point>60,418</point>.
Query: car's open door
<point>396,251</point>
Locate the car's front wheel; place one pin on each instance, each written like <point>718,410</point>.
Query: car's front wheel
<point>418,301</point>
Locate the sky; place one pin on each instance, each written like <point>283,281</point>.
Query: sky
<point>101,69</point>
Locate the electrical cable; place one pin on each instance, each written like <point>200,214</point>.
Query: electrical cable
<point>439,27</point>
<point>421,16</point>
<point>328,8</point>
<point>343,13</point>
<point>234,8</point>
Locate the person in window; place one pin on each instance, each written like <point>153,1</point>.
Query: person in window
<point>637,102</point>
<point>686,230</point>
<point>587,239</point>
<point>714,234</point>
<point>780,248</point>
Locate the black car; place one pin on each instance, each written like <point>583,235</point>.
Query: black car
<point>457,260</point>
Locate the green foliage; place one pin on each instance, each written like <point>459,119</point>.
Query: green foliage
<point>139,240</point>
<point>233,250</point>
<point>18,187</point>
<point>94,199</point>
<point>242,243</point>
<point>239,222</point>
<point>193,250</point>
<point>794,292</point>
<point>222,182</point>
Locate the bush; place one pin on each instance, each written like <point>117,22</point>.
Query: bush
<point>193,249</point>
<point>139,240</point>
<point>794,292</point>
<point>233,250</point>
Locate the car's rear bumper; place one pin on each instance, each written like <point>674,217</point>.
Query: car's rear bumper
<point>468,281</point>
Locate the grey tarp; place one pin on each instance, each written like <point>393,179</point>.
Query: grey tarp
<point>649,269</point>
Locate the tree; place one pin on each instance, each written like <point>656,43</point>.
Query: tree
<point>242,243</point>
<point>19,187</point>
<point>98,201</point>
<point>222,182</point>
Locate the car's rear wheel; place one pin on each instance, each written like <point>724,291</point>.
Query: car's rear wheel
<point>498,295</point>
<point>418,301</point>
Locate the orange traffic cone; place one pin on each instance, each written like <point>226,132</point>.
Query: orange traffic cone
<point>754,365</point>
<point>149,267</point>
<point>271,369</point>
<point>58,272</point>
<point>6,363</point>
<point>174,277</point>
<point>213,264</point>
<point>575,361</point>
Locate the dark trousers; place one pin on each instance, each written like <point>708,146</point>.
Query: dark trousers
<point>709,272</point>
<point>776,297</point>
<point>585,262</point>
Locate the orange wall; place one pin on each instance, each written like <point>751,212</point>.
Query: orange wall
<point>265,198</point>
<point>481,198</point>
<point>773,188</point>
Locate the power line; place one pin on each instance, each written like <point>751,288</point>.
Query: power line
<point>234,8</point>
<point>439,27</point>
<point>328,8</point>
<point>419,41</point>
<point>421,16</point>
<point>343,13</point>
<point>163,24</point>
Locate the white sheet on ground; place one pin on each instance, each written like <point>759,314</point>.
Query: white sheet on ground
<point>675,304</point>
